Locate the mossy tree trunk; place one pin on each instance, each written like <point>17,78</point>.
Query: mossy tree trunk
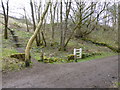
<point>29,44</point>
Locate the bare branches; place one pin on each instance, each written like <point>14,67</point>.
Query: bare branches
<point>5,13</point>
<point>29,44</point>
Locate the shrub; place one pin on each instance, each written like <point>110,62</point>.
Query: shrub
<point>70,57</point>
<point>49,59</point>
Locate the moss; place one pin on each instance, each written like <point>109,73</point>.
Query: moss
<point>70,57</point>
<point>49,59</point>
<point>84,55</point>
<point>20,56</point>
<point>46,61</point>
<point>42,46</point>
<point>114,49</point>
<point>8,52</point>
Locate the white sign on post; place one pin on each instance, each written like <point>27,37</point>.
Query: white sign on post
<point>78,52</point>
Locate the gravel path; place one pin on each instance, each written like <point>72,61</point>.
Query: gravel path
<point>100,73</point>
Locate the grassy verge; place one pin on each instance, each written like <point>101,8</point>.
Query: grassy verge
<point>63,60</point>
<point>9,64</point>
<point>8,51</point>
<point>103,55</point>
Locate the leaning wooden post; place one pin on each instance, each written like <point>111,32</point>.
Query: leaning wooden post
<point>29,44</point>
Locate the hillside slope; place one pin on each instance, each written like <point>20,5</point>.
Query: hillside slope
<point>9,48</point>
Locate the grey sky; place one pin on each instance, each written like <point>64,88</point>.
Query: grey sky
<point>16,6</point>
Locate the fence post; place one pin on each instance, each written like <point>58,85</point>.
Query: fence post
<point>74,51</point>
<point>80,55</point>
<point>75,57</point>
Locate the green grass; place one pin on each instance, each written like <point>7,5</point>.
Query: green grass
<point>109,37</point>
<point>63,57</point>
<point>24,34</point>
<point>7,48</point>
<point>103,55</point>
<point>8,51</point>
<point>10,64</point>
<point>116,84</point>
<point>87,48</point>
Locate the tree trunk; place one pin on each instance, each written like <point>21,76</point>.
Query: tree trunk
<point>43,37</point>
<point>26,20</point>
<point>118,37</point>
<point>78,31</point>
<point>39,10</point>
<point>52,19</point>
<point>51,22</point>
<point>61,28</point>
<point>34,24</point>
<point>5,19</point>
<point>58,16</point>
<point>68,6</point>
<point>119,24</point>
<point>29,44</point>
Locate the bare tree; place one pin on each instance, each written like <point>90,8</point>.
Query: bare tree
<point>52,13</point>
<point>81,21</point>
<point>99,13</point>
<point>113,14</point>
<point>29,44</point>
<point>39,11</point>
<point>79,16</point>
<point>34,24</point>
<point>61,27</point>
<point>5,13</point>
<point>57,15</point>
<point>64,31</point>
<point>68,7</point>
<point>26,20</point>
<point>119,23</point>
